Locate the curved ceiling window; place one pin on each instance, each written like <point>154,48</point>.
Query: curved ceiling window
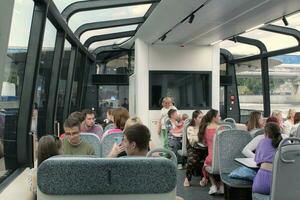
<point>273,41</point>
<point>108,42</point>
<point>104,31</point>
<point>293,20</point>
<point>107,14</point>
<point>239,50</point>
<point>62,4</point>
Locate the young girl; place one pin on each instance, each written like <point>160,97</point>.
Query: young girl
<point>48,146</point>
<point>264,157</point>
<point>195,154</point>
<point>207,131</point>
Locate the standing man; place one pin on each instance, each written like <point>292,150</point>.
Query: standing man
<point>88,125</point>
<point>72,143</point>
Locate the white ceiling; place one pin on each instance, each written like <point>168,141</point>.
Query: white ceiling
<point>217,20</point>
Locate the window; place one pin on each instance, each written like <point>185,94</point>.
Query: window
<point>11,79</point>
<point>189,90</point>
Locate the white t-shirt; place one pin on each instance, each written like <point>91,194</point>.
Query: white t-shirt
<point>164,116</point>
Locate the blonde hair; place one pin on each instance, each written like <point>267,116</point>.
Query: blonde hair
<point>132,121</point>
<point>289,115</point>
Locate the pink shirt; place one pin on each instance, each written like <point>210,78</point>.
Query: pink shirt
<point>111,131</point>
<point>208,141</point>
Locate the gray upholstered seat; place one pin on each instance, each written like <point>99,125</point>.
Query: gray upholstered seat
<point>231,144</point>
<point>93,140</point>
<point>286,176</point>
<point>230,120</point>
<point>256,132</point>
<point>215,169</point>
<point>183,151</point>
<point>103,178</point>
<point>256,196</point>
<point>108,127</point>
<point>108,141</point>
<point>227,123</point>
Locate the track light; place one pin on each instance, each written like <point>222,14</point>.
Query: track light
<point>163,37</point>
<point>234,39</point>
<point>191,19</point>
<point>285,21</point>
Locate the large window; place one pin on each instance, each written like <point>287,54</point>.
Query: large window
<point>189,90</point>
<point>11,79</point>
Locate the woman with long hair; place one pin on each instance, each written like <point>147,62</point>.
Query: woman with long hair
<point>195,153</point>
<point>255,121</point>
<point>207,131</point>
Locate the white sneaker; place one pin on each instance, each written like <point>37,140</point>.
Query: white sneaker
<point>213,190</point>
<point>179,166</point>
<point>221,189</point>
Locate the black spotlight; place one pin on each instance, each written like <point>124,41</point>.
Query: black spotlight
<point>285,21</point>
<point>163,37</point>
<point>235,39</point>
<point>191,19</point>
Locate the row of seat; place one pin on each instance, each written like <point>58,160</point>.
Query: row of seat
<point>103,147</point>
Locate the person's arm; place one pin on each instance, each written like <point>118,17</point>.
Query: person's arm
<point>115,151</point>
<point>192,137</point>
<point>251,146</point>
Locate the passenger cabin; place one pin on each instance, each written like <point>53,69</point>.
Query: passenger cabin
<point>61,56</point>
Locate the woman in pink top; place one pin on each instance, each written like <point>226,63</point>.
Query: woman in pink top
<point>207,131</point>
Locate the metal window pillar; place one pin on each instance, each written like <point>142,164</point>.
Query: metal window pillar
<point>55,74</point>
<point>100,4</point>
<point>84,84</point>
<point>232,110</point>
<point>107,48</point>
<point>264,69</point>
<point>70,78</point>
<point>24,154</point>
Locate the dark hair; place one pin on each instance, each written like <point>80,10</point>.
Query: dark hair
<point>253,121</point>
<point>171,112</point>
<point>48,146</point>
<point>139,134</point>
<point>272,119</point>
<point>79,115</point>
<point>297,118</point>
<point>120,115</point>
<point>195,114</point>
<point>272,130</point>
<point>71,122</point>
<point>205,121</point>
<point>88,112</point>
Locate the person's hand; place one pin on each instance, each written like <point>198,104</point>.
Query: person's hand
<point>116,150</point>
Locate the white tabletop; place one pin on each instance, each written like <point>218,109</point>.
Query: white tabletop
<point>248,162</point>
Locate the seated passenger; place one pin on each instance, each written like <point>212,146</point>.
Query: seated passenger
<point>278,115</point>
<point>78,115</point>
<point>108,122</point>
<point>255,121</point>
<point>175,131</point>
<point>264,158</point>
<point>289,122</point>
<point>207,131</point>
<point>249,149</point>
<point>48,146</point>
<point>120,116</point>
<point>294,128</point>
<point>72,143</point>
<point>88,125</point>
<point>195,153</point>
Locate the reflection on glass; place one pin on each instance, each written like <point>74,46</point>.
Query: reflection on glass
<point>190,90</point>
<point>95,45</point>
<point>239,50</point>
<point>285,82</point>
<point>11,79</point>
<point>273,41</point>
<point>111,97</point>
<point>63,83</point>
<point>81,18</point>
<point>89,34</point>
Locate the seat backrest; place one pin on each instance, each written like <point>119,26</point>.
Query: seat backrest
<point>231,144</point>
<point>106,178</point>
<point>108,127</point>
<point>230,120</point>
<point>215,167</point>
<point>108,141</point>
<point>286,176</point>
<point>184,138</point>
<point>93,140</point>
<point>226,123</point>
<point>297,133</point>
<point>256,132</point>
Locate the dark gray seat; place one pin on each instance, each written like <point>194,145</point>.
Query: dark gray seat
<point>93,140</point>
<point>104,178</point>
<point>256,132</point>
<point>183,151</point>
<point>231,144</point>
